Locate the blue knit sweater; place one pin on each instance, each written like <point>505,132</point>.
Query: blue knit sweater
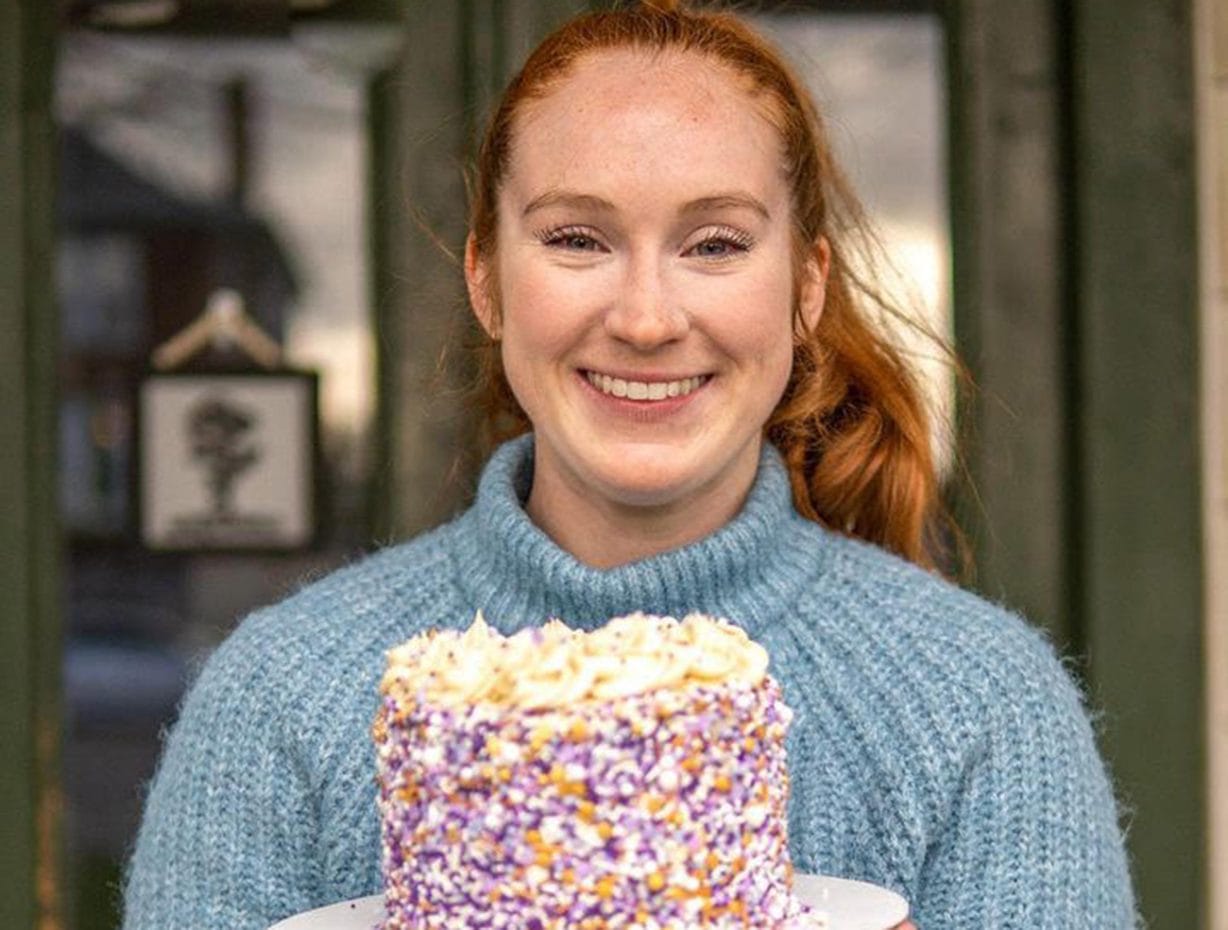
<point>938,748</point>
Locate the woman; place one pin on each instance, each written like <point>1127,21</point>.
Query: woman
<point>659,254</point>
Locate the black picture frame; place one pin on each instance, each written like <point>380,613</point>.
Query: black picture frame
<point>228,461</point>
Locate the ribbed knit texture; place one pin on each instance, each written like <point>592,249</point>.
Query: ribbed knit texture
<point>939,747</point>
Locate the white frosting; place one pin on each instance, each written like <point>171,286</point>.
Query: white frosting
<point>554,666</point>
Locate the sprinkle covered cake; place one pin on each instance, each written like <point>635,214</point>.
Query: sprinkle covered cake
<point>632,777</point>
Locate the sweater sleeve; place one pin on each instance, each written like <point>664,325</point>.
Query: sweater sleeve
<point>226,842</point>
<point>1032,841</point>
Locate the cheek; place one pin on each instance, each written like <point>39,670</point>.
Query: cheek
<point>530,315</point>
<point>544,301</point>
<point>755,324</point>
<point>542,320</point>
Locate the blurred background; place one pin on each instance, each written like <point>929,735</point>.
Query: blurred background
<point>1051,184</point>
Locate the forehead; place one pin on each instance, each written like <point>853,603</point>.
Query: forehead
<point>631,117</point>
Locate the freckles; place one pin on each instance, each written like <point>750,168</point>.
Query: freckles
<point>757,315</point>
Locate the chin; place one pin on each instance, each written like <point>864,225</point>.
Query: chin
<point>652,480</point>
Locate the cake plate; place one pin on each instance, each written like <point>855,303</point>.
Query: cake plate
<point>849,905</point>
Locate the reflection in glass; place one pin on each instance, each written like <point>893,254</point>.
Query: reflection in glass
<point>187,165</point>
<point>879,80</point>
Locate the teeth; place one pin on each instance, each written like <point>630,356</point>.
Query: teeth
<point>644,390</point>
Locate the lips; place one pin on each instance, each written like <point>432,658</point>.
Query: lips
<point>644,390</point>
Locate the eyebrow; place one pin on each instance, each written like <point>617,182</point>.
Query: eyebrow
<point>569,198</point>
<point>566,198</point>
<point>723,201</point>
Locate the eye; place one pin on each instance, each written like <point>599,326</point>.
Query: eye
<point>571,239</point>
<point>721,242</point>
<point>714,248</point>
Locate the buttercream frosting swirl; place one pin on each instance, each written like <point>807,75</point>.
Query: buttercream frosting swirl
<point>553,666</point>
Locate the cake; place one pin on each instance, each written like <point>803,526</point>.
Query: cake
<point>631,777</point>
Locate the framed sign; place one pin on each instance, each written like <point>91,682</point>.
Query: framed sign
<point>228,461</point>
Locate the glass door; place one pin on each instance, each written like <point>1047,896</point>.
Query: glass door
<point>189,164</point>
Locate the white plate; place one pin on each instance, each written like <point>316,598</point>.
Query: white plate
<point>850,906</point>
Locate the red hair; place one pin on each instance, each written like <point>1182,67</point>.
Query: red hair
<point>852,423</point>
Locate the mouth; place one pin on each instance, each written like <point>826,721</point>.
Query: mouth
<point>645,390</point>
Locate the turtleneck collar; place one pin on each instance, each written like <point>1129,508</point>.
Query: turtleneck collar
<point>517,575</point>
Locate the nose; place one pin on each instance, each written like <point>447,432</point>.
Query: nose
<point>645,313</point>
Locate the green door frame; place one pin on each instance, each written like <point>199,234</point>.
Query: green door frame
<point>29,535</point>
<point>1137,403</point>
<point>1076,307</point>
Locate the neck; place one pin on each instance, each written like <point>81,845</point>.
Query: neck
<point>603,533</point>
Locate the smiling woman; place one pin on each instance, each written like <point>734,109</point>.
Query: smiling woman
<point>660,255</point>
<point>858,439</point>
<point>645,308</point>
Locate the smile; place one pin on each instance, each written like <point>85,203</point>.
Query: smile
<point>644,390</point>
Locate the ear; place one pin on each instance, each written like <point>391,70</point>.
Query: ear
<point>477,280</point>
<point>814,284</point>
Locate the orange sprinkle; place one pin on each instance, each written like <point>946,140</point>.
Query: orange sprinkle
<point>722,782</point>
<point>604,830</point>
<point>605,888</point>
<point>578,731</point>
<point>656,881</point>
<point>539,737</point>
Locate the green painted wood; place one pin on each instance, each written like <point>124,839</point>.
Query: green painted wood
<point>1137,289</point>
<point>425,123</point>
<point>1010,318</point>
<point>381,284</point>
<point>17,796</point>
<point>1084,344</point>
<point>29,635</point>
<point>431,111</point>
